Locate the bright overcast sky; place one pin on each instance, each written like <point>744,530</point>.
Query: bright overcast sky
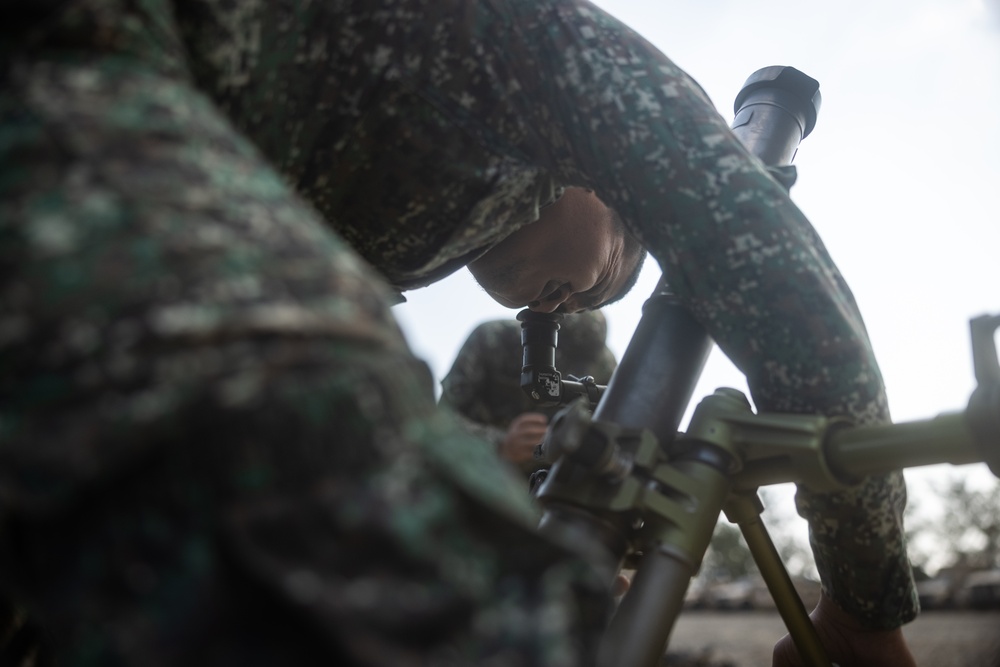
<point>900,176</point>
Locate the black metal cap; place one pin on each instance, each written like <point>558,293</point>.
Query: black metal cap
<point>802,86</point>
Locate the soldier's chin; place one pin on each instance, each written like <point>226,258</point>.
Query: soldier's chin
<point>502,300</point>
<point>508,304</point>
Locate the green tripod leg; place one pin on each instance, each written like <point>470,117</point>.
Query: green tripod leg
<point>744,510</point>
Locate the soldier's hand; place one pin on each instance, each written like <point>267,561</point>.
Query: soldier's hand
<point>526,431</point>
<point>847,642</point>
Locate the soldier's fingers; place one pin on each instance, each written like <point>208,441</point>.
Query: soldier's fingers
<point>532,418</point>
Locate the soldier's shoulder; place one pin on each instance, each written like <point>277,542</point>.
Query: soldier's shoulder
<point>497,329</point>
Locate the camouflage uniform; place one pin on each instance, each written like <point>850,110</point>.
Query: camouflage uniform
<point>484,383</point>
<point>214,443</point>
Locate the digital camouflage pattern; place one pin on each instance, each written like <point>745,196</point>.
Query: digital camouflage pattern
<point>484,383</point>
<point>214,443</point>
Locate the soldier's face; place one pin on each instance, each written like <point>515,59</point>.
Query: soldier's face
<point>572,258</point>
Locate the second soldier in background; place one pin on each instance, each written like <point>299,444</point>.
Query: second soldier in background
<point>483,385</point>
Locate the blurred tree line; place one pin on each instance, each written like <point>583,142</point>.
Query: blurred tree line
<point>728,557</point>
<point>957,524</point>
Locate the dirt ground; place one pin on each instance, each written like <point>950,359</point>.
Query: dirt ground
<point>744,639</point>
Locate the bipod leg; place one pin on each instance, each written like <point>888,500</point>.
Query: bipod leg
<point>744,509</point>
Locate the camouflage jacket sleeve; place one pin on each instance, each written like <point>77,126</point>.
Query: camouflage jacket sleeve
<point>489,434</point>
<point>598,106</point>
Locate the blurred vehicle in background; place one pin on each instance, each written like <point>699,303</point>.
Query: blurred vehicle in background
<point>745,593</point>
<point>732,595</point>
<point>808,590</point>
<point>939,591</point>
<point>980,590</point>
